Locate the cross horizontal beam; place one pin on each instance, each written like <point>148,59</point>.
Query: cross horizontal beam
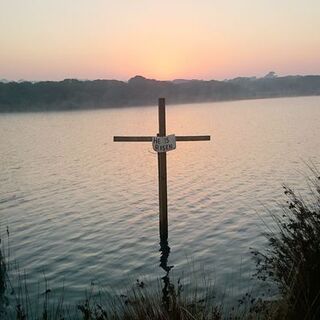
<point>149,138</point>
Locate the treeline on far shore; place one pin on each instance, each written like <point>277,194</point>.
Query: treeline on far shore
<point>72,94</point>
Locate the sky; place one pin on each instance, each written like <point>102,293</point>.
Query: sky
<point>167,39</point>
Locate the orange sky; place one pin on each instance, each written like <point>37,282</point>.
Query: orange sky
<point>207,39</point>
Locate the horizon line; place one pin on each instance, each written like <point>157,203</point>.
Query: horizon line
<point>268,75</point>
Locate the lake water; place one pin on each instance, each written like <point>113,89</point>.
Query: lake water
<point>84,209</point>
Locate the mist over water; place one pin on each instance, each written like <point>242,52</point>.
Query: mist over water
<point>84,209</point>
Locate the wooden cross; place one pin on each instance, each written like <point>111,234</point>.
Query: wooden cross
<point>162,164</point>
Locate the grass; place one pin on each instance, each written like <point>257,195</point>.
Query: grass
<point>291,261</point>
<point>3,278</point>
<point>292,257</point>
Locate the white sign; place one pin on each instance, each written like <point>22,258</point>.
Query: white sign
<point>164,144</point>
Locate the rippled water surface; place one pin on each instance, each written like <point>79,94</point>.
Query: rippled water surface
<point>84,209</point>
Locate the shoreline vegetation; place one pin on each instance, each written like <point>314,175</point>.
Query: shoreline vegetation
<point>290,262</point>
<point>73,94</point>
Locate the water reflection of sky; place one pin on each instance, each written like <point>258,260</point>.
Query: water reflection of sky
<point>82,208</point>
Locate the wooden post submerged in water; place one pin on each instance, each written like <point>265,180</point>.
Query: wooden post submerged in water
<point>162,173</point>
<point>162,144</point>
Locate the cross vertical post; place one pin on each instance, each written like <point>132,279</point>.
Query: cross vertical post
<point>162,173</point>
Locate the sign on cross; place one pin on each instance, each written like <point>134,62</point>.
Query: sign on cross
<point>162,143</point>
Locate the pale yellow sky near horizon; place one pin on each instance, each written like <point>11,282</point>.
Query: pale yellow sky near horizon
<point>42,39</point>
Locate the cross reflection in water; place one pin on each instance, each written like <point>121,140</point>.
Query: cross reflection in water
<point>168,287</point>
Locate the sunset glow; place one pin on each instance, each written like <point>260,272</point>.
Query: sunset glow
<point>44,39</point>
